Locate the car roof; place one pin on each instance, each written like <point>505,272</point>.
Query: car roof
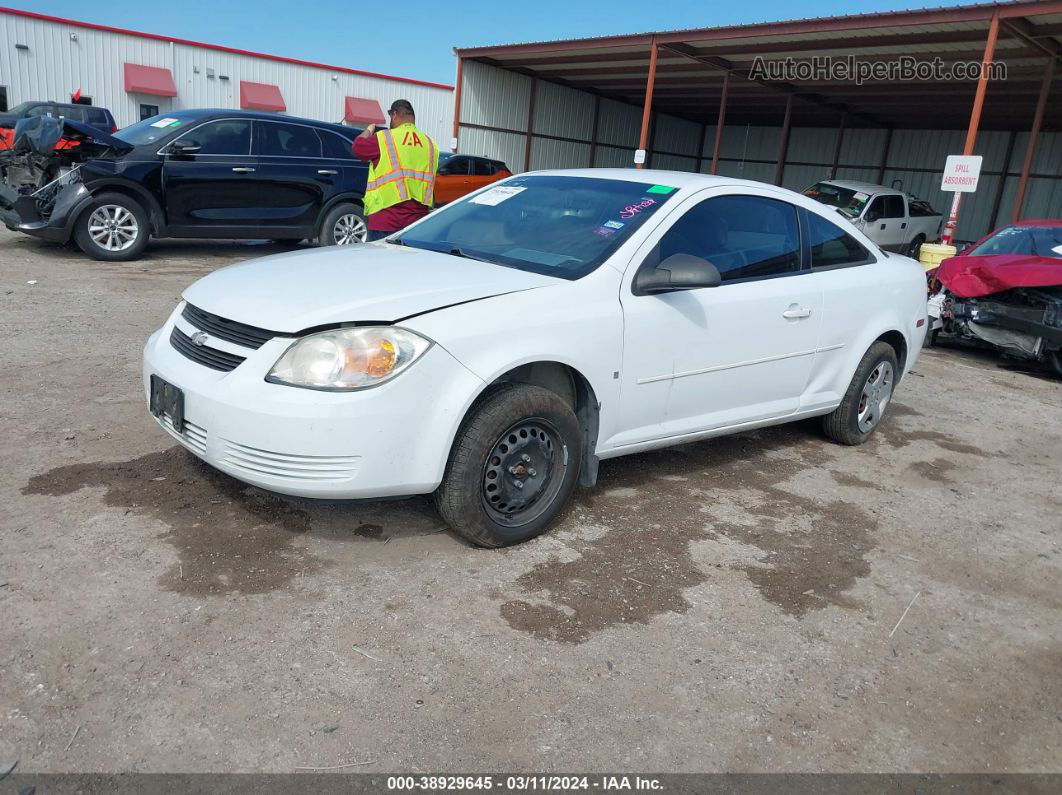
<point>863,187</point>
<point>1053,224</point>
<point>263,115</point>
<point>674,179</point>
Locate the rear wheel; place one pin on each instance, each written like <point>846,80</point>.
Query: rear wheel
<point>343,225</point>
<point>114,228</point>
<point>915,246</point>
<point>513,467</point>
<point>1054,358</point>
<point>867,397</point>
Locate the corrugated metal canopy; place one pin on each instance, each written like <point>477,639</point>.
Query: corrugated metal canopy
<point>693,64</point>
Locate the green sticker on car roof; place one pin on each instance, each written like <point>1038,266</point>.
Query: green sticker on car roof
<point>660,189</point>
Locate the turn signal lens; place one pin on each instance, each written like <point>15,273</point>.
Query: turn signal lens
<point>349,358</point>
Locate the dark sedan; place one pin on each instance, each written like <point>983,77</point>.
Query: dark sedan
<point>203,174</point>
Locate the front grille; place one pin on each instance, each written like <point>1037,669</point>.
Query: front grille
<point>208,357</point>
<point>228,330</point>
<point>290,466</point>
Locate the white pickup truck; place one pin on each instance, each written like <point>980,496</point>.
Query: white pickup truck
<point>891,218</point>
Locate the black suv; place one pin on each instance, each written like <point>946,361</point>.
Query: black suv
<point>199,173</point>
<point>92,115</point>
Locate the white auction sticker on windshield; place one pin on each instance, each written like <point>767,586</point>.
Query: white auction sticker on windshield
<point>163,122</point>
<point>497,195</point>
<point>862,197</point>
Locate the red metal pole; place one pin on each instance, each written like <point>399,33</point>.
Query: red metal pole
<point>720,123</point>
<point>783,148</point>
<point>647,109</point>
<point>837,148</point>
<point>885,154</point>
<point>530,124</point>
<point>457,103</point>
<point>1034,133</point>
<point>975,121</point>
<point>593,129</point>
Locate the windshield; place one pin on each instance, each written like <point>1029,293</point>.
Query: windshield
<point>1029,241</point>
<point>21,107</point>
<point>848,201</point>
<point>155,128</point>
<point>558,226</point>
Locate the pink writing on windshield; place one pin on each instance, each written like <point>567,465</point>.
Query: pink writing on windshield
<point>632,210</point>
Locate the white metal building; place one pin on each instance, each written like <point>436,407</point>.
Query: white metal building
<point>689,99</point>
<point>138,74</point>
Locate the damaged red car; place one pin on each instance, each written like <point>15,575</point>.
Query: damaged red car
<point>1005,291</point>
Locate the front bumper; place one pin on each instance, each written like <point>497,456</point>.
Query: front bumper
<point>390,440</point>
<point>22,213</point>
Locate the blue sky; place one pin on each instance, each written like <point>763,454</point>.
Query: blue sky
<point>416,39</point>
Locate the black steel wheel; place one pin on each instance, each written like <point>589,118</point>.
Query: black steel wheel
<point>514,465</point>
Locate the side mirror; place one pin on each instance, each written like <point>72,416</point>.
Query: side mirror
<point>872,216</point>
<point>677,272</point>
<point>184,146</point>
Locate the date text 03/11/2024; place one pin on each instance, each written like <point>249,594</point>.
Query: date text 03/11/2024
<point>522,783</point>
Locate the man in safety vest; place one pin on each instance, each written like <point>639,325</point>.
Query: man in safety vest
<point>402,165</point>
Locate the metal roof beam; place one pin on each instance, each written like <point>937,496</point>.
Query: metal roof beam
<point>1026,32</point>
<point>784,88</point>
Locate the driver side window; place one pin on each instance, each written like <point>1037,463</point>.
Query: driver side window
<point>227,137</point>
<point>745,237</point>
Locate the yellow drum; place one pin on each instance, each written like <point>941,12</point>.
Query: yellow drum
<point>932,254</point>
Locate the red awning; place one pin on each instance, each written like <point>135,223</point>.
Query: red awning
<point>149,80</point>
<point>261,96</point>
<point>363,111</point>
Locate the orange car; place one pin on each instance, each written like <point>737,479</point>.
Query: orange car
<point>461,174</point>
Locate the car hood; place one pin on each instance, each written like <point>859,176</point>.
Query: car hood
<point>372,282</point>
<point>41,134</point>
<point>973,277</point>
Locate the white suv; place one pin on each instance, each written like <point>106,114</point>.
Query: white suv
<point>495,351</point>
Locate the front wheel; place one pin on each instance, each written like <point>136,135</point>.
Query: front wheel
<point>514,465</point>
<point>343,225</point>
<point>868,395</point>
<point>113,228</point>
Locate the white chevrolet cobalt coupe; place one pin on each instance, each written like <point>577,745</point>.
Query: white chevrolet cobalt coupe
<point>495,351</point>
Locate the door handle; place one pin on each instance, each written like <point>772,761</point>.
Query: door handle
<point>327,171</point>
<point>903,225</point>
<point>796,312</point>
<point>243,169</point>
<point>883,226</point>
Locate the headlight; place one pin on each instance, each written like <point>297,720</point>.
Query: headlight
<point>348,358</point>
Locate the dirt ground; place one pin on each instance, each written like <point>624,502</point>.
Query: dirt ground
<point>730,605</point>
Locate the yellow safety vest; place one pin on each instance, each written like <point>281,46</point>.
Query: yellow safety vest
<point>406,170</point>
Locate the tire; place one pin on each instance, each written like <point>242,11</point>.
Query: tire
<point>1054,358</point>
<point>854,420</point>
<point>126,241</point>
<point>343,225</point>
<point>912,250</point>
<point>478,489</point>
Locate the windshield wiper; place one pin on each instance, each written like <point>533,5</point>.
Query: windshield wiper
<point>456,252</point>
